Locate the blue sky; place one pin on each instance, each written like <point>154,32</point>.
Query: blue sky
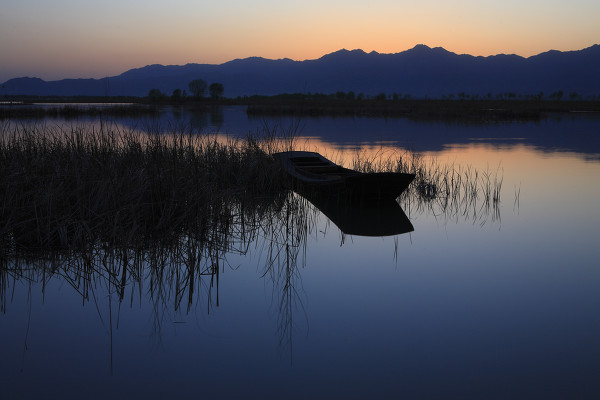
<point>83,38</point>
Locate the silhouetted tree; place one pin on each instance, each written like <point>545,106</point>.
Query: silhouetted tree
<point>156,95</point>
<point>176,96</point>
<point>216,90</point>
<point>557,95</point>
<point>197,87</point>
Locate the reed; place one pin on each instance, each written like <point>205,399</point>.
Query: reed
<point>74,111</point>
<point>180,275</point>
<point>71,188</point>
<point>158,215</point>
<point>448,190</point>
<point>111,210</point>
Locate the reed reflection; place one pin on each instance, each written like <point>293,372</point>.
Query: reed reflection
<point>179,275</point>
<point>133,218</point>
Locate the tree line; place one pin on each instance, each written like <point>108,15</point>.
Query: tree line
<point>558,95</point>
<point>197,89</point>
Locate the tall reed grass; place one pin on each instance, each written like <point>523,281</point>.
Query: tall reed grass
<point>71,188</point>
<point>448,190</point>
<point>128,213</point>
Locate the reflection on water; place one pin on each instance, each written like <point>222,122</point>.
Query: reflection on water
<point>184,276</point>
<point>385,218</point>
<point>184,273</point>
<point>556,133</point>
<point>179,275</point>
<point>459,304</point>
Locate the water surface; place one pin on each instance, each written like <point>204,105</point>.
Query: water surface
<point>479,302</point>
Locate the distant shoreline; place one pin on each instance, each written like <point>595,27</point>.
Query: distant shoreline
<point>300,105</point>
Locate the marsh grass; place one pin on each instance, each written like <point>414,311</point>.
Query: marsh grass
<point>444,189</point>
<point>72,188</point>
<point>75,111</point>
<point>126,216</point>
<point>134,215</point>
<point>181,275</point>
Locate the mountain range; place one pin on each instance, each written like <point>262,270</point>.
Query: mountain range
<point>421,71</point>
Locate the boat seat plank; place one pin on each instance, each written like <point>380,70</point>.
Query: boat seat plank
<point>327,169</point>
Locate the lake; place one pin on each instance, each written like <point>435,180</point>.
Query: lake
<point>479,300</point>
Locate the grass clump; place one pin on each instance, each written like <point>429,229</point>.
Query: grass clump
<point>72,188</point>
<point>448,190</point>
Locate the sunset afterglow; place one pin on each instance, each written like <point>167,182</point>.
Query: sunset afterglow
<point>67,38</point>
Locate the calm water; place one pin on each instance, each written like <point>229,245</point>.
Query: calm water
<point>476,302</point>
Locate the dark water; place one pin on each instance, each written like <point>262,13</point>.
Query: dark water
<point>476,302</point>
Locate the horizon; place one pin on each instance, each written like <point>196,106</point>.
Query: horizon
<point>75,39</point>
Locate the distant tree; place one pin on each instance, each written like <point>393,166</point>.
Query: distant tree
<point>216,90</point>
<point>197,87</point>
<point>557,95</point>
<point>176,96</point>
<point>574,96</point>
<point>538,97</point>
<point>380,96</point>
<point>156,95</point>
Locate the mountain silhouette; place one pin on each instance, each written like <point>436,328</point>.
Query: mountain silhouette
<point>420,71</point>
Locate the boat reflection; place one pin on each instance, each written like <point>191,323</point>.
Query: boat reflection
<point>384,218</point>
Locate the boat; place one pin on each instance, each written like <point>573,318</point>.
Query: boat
<point>310,171</point>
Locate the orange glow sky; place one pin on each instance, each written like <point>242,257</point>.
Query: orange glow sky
<point>85,38</point>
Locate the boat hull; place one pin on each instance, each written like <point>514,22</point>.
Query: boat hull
<point>309,171</point>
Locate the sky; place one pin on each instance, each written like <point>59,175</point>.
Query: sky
<point>93,39</point>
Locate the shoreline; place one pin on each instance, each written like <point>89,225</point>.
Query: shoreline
<point>302,106</point>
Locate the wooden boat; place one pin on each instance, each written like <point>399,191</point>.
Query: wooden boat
<point>311,171</point>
